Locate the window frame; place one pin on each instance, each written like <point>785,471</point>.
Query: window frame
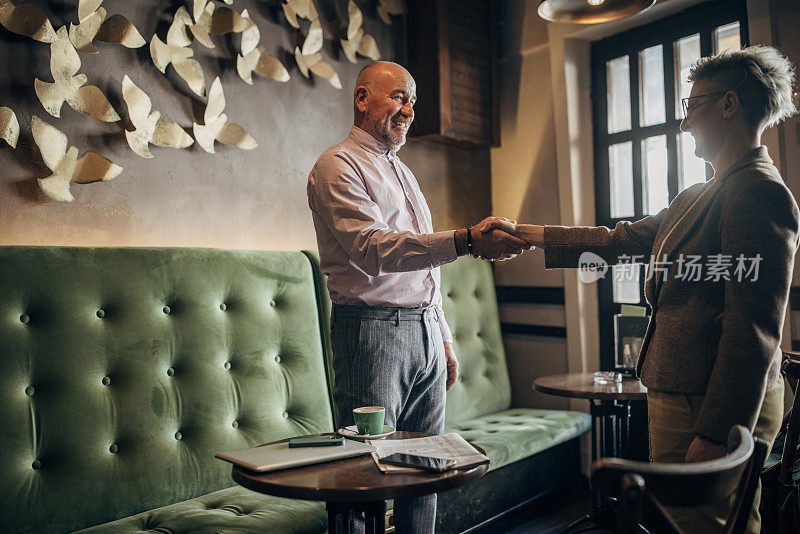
<point>703,20</point>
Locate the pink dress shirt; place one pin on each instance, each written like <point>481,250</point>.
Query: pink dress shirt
<point>374,232</point>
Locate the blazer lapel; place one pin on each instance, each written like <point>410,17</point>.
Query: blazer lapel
<point>694,214</point>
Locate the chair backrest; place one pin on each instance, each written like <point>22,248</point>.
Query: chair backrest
<point>470,306</point>
<point>124,370</point>
<point>690,484</point>
<point>791,368</point>
<point>682,484</point>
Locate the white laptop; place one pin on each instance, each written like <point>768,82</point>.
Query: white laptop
<point>279,456</point>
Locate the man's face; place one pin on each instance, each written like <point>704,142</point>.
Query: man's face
<point>389,107</point>
<point>704,119</point>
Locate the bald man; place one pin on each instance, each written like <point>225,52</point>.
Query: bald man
<point>391,344</point>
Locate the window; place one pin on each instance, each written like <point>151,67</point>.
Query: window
<point>642,159</point>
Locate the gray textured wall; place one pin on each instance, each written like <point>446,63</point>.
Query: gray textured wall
<point>233,199</point>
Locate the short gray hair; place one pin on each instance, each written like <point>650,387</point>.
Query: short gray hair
<point>760,75</point>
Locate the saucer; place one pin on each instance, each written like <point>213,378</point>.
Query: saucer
<point>352,433</point>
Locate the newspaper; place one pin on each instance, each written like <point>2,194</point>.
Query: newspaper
<point>448,447</point>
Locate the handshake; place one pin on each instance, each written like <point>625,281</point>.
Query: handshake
<point>498,238</point>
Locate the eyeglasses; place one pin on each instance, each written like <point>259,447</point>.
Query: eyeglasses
<point>685,102</point>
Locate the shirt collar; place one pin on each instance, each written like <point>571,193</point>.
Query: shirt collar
<point>371,144</point>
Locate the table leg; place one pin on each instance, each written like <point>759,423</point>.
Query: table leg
<point>340,516</point>
<point>375,517</point>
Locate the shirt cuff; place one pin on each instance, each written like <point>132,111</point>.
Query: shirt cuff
<point>441,246</point>
<point>444,328</point>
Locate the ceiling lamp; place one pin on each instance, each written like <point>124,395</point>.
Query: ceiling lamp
<point>590,11</point>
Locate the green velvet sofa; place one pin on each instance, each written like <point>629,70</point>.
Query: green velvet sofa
<point>124,370</point>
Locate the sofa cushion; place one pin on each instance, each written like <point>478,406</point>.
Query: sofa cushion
<point>233,510</point>
<point>470,307</point>
<point>124,370</point>
<point>514,434</point>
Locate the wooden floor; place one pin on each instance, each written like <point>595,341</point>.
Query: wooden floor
<point>550,516</point>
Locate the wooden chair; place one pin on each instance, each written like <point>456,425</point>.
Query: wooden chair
<point>644,489</point>
<point>780,478</point>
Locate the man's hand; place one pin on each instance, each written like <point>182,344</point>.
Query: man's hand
<point>452,365</point>
<point>701,450</point>
<point>532,233</point>
<point>491,242</point>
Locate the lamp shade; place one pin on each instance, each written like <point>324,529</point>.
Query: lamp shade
<point>590,11</point>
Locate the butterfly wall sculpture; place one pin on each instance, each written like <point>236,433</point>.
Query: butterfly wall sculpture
<point>149,126</point>
<point>299,8</point>
<point>214,20</point>
<point>65,164</point>
<point>177,51</point>
<point>309,58</point>
<point>202,20</point>
<point>26,19</point>
<point>94,25</point>
<point>254,59</point>
<point>9,126</point>
<point>69,86</point>
<point>357,40</point>
<point>217,127</point>
<point>390,7</point>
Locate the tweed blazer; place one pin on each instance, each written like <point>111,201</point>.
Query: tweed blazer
<point>708,335</point>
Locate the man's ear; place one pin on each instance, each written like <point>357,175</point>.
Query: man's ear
<point>731,104</point>
<point>361,98</point>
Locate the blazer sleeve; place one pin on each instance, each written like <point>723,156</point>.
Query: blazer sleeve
<point>759,224</point>
<point>563,245</point>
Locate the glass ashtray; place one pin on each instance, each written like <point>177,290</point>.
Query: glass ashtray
<point>607,377</point>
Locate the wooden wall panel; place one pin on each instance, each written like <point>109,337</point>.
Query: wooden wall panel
<point>452,51</point>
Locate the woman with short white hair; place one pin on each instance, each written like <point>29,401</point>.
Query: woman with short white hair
<point>711,355</point>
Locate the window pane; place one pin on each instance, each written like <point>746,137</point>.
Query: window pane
<point>687,51</point>
<point>655,194</point>
<point>620,173</point>
<point>651,86</point>
<point>692,168</point>
<point>625,283</point>
<point>727,38</point>
<point>619,94</point>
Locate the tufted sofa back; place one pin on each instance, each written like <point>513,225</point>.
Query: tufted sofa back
<point>470,306</point>
<point>123,371</point>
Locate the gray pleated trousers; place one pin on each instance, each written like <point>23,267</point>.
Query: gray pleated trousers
<point>392,357</point>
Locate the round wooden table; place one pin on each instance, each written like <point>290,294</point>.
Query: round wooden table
<point>610,408</point>
<point>355,485</point>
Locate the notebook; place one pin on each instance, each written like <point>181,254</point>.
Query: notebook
<point>279,456</point>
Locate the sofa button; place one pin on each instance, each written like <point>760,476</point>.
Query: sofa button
<point>36,465</point>
<point>272,303</point>
<point>223,306</point>
<point>235,424</point>
<point>475,294</point>
<point>100,314</point>
<point>178,435</point>
<point>485,373</point>
<point>166,309</point>
<point>106,381</point>
<point>277,359</point>
<point>479,334</point>
<point>24,318</point>
<point>450,295</point>
<point>170,372</point>
<point>285,415</point>
<point>29,391</point>
<point>113,449</point>
<point>226,365</point>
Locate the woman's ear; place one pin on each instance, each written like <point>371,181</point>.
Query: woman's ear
<point>731,104</point>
